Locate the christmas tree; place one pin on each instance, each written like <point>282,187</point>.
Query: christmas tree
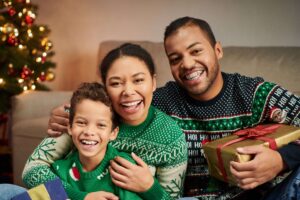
<point>25,51</point>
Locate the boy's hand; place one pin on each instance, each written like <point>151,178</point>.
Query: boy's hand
<point>136,178</point>
<point>59,121</point>
<point>101,195</point>
<point>266,165</point>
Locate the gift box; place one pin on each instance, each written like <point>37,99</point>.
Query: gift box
<point>220,152</point>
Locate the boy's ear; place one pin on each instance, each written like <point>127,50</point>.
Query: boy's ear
<point>114,134</point>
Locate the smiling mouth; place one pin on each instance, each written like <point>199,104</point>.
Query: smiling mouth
<point>193,76</point>
<point>132,104</point>
<point>89,142</point>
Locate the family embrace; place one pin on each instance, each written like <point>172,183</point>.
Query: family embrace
<point>127,139</point>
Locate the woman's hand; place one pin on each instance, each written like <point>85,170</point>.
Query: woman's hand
<point>101,195</point>
<point>266,164</point>
<point>136,178</point>
<point>59,121</point>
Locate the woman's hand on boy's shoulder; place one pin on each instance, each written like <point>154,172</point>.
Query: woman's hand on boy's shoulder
<point>129,176</point>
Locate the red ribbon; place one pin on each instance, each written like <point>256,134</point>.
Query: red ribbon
<point>255,133</point>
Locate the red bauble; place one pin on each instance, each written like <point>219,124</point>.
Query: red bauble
<point>12,12</point>
<point>12,40</point>
<point>28,20</point>
<point>26,72</point>
<point>42,77</point>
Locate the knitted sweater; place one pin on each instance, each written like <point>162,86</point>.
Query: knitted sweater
<point>243,102</point>
<point>70,170</point>
<point>158,141</point>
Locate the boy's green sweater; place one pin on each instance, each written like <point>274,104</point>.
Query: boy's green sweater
<point>81,183</point>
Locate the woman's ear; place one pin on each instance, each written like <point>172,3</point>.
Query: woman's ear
<point>153,82</point>
<point>114,134</point>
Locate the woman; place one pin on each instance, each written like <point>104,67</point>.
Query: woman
<point>129,76</point>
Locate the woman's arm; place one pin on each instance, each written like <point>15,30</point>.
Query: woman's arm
<point>37,169</point>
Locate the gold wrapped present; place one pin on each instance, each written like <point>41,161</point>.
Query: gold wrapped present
<point>220,152</point>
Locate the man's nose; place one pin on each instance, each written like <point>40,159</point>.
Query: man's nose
<point>188,62</point>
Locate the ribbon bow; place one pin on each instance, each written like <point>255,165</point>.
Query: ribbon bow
<point>258,131</point>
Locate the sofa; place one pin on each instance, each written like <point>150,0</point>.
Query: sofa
<point>31,110</point>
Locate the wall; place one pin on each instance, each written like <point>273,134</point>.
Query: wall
<point>78,26</point>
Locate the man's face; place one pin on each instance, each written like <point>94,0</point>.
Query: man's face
<point>194,62</point>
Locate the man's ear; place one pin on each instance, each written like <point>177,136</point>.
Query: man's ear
<point>154,82</point>
<point>114,134</point>
<point>218,50</point>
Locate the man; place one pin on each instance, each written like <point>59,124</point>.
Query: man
<point>209,104</point>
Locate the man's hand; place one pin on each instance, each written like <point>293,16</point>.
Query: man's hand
<point>101,195</point>
<point>59,121</point>
<point>136,178</point>
<point>266,164</point>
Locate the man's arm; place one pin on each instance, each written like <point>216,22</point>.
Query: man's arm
<point>267,163</point>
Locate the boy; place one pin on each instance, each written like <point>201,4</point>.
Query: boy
<point>93,125</point>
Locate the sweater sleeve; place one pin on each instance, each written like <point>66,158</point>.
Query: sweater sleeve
<point>170,177</point>
<point>284,107</point>
<point>37,169</point>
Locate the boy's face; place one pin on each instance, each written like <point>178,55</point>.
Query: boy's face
<point>194,62</point>
<point>92,130</point>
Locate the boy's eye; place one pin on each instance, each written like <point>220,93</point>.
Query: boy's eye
<point>80,123</point>
<point>101,125</point>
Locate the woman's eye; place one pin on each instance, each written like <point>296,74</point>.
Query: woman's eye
<point>101,125</point>
<point>114,84</point>
<point>140,80</point>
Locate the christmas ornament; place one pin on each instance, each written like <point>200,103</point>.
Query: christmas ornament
<point>12,12</point>
<point>50,76</point>
<point>12,40</point>
<point>42,76</point>
<point>28,20</point>
<point>26,72</point>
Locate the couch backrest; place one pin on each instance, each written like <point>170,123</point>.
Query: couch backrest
<point>280,65</point>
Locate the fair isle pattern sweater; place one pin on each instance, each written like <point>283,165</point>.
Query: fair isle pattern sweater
<point>70,170</point>
<point>158,141</point>
<point>243,102</point>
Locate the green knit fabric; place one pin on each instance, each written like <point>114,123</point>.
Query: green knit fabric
<point>161,144</point>
<point>70,170</point>
<point>158,141</point>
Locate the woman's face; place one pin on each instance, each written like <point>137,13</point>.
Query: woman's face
<point>130,87</point>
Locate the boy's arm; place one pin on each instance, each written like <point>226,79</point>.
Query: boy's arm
<point>37,168</point>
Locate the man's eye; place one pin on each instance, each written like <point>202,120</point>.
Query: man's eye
<point>196,51</point>
<point>174,61</point>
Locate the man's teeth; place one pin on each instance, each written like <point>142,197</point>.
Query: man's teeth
<point>193,75</point>
<point>89,142</point>
<point>129,104</point>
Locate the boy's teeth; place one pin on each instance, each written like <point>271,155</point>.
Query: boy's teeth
<point>89,142</point>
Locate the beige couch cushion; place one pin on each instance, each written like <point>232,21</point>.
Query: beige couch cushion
<point>280,65</point>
